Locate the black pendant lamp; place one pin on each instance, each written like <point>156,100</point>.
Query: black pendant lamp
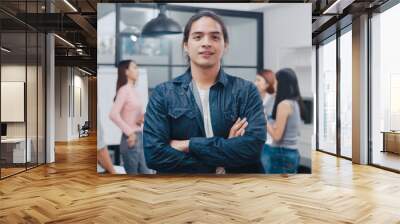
<point>161,25</point>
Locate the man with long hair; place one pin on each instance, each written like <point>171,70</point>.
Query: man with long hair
<point>205,121</point>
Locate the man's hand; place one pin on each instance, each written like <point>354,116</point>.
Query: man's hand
<point>180,145</point>
<point>238,128</point>
<point>132,140</point>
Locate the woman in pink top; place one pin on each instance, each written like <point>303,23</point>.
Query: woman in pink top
<point>127,114</point>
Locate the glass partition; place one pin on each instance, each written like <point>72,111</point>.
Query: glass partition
<point>385,89</point>
<point>22,88</point>
<point>346,94</point>
<point>41,96</point>
<point>14,152</point>
<point>31,98</point>
<point>327,96</point>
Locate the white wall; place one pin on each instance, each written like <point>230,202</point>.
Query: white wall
<point>13,72</point>
<point>68,81</point>
<point>16,73</point>
<point>81,83</point>
<point>287,41</point>
<point>33,126</point>
<point>61,103</point>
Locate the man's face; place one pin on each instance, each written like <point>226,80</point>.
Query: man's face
<point>206,44</point>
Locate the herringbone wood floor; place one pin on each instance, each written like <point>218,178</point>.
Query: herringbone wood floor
<point>70,191</point>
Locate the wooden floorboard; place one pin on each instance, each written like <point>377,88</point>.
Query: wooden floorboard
<point>70,191</point>
<point>387,159</point>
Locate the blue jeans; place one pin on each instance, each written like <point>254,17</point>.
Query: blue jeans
<point>278,160</point>
<point>133,158</point>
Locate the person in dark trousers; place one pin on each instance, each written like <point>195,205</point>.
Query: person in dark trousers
<point>204,121</point>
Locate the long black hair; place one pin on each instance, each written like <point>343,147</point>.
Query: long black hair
<point>288,89</point>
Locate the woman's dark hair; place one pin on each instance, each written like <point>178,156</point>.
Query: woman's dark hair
<point>263,73</point>
<point>123,66</point>
<point>288,89</point>
<point>199,15</point>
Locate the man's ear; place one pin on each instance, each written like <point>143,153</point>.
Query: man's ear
<point>226,48</point>
<point>185,47</point>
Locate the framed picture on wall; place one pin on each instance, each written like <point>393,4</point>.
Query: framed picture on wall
<point>12,101</point>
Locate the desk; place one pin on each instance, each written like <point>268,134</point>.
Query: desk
<point>13,150</point>
<point>391,141</point>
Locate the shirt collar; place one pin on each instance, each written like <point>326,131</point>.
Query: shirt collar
<point>186,78</point>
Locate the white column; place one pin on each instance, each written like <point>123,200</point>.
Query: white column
<point>360,90</point>
<point>50,100</point>
<point>50,92</point>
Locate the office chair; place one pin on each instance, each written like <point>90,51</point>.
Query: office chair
<point>84,130</point>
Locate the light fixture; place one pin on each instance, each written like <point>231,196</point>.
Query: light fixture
<point>78,44</point>
<point>84,71</point>
<point>5,50</point>
<point>79,51</point>
<point>133,37</point>
<point>65,41</point>
<point>70,5</point>
<point>161,25</point>
<point>337,7</point>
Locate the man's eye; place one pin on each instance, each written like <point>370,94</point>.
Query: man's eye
<point>216,37</point>
<point>196,37</point>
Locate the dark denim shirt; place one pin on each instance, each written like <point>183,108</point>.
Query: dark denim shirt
<point>172,113</point>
